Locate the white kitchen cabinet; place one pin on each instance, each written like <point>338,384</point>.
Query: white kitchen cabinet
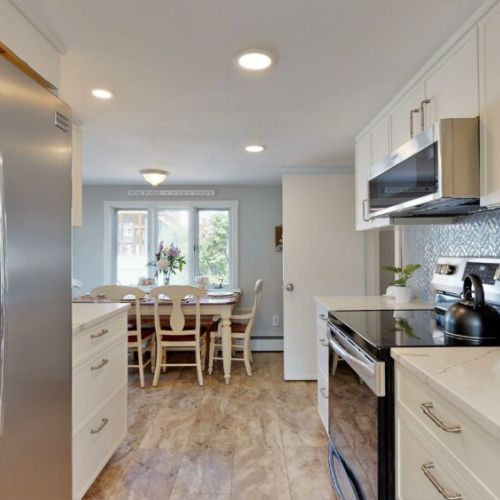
<point>381,140</point>
<point>363,159</point>
<point>323,352</point>
<point>99,389</point>
<point>452,86</point>
<point>489,81</point>
<point>76,177</point>
<point>405,115</point>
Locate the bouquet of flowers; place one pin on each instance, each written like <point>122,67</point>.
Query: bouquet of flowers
<point>168,261</point>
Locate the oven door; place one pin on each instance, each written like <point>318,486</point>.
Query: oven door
<point>353,418</point>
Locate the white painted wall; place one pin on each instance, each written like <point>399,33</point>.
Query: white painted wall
<point>28,43</point>
<point>259,212</point>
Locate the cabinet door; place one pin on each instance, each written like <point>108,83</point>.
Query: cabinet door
<point>363,153</point>
<point>381,140</point>
<point>453,86</point>
<point>489,74</point>
<point>400,115</point>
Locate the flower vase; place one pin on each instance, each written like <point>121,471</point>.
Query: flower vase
<point>166,279</point>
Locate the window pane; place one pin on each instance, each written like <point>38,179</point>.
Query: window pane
<point>173,227</point>
<point>213,245</point>
<point>131,246</point>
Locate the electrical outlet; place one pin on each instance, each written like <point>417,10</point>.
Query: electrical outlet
<point>276,320</point>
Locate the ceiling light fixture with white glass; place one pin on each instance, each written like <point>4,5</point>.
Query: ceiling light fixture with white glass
<point>154,176</point>
<point>102,93</point>
<point>255,59</point>
<point>255,148</point>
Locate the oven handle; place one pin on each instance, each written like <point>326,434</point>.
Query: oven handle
<point>350,359</point>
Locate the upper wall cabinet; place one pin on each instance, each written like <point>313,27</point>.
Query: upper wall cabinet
<point>452,87</point>
<point>366,154</point>
<point>405,116</point>
<point>489,74</point>
<point>76,177</point>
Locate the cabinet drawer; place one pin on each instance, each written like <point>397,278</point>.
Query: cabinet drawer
<point>414,452</point>
<point>323,398</point>
<point>97,441</point>
<point>91,339</point>
<point>475,448</point>
<point>95,380</point>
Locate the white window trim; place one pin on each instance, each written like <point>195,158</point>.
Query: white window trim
<point>111,206</point>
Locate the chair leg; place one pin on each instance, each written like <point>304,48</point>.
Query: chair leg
<point>158,365</point>
<point>164,360</point>
<point>140,362</point>
<point>246,357</point>
<point>211,356</point>
<point>203,348</point>
<point>198,363</point>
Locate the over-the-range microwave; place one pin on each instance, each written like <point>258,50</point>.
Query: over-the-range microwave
<point>436,173</point>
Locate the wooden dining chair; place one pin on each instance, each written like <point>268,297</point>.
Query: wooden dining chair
<point>180,331</point>
<point>140,338</point>
<point>241,328</point>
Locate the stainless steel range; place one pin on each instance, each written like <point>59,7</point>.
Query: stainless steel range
<point>361,388</point>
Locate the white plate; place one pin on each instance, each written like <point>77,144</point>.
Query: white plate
<point>220,294</point>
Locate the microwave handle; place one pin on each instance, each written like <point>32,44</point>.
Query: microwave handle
<point>350,359</point>
<point>412,112</point>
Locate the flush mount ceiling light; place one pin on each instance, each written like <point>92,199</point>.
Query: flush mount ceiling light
<point>102,93</point>
<point>255,148</point>
<point>154,176</point>
<point>255,59</point>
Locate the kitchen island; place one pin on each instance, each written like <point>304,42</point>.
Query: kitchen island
<point>447,421</point>
<point>99,388</point>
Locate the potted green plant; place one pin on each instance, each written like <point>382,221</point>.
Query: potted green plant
<point>399,288</point>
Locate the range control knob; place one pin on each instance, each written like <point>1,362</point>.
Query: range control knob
<point>447,269</point>
<point>497,274</point>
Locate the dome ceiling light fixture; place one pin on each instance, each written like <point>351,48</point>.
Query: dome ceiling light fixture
<point>255,59</point>
<point>255,148</point>
<point>154,176</point>
<point>103,94</point>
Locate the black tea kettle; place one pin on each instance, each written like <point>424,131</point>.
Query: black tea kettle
<point>472,318</point>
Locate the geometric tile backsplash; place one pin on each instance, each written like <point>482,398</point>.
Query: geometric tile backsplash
<point>477,235</point>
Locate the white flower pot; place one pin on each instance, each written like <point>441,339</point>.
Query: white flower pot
<point>402,293</point>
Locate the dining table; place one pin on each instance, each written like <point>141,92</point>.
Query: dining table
<point>213,304</point>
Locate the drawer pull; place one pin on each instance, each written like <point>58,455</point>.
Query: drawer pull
<point>426,469</point>
<point>323,342</point>
<point>323,317</point>
<point>427,408</point>
<point>100,334</point>
<point>104,422</point>
<point>103,362</point>
<point>323,392</point>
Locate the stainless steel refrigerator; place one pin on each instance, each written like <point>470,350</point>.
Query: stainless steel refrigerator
<point>35,275</point>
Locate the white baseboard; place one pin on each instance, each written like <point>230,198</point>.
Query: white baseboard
<point>271,344</point>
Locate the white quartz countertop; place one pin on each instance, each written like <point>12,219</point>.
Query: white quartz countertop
<point>87,315</point>
<point>469,377</point>
<point>367,302</point>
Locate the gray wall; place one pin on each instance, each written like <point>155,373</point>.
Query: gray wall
<point>259,212</point>
<point>474,236</point>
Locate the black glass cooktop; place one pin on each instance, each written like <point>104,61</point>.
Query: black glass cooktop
<point>378,331</point>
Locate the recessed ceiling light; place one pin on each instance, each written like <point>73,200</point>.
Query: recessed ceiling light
<point>255,148</point>
<point>255,60</point>
<point>154,176</point>
<point>102,93</point>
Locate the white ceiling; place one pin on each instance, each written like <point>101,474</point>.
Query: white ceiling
<point>181,104</point>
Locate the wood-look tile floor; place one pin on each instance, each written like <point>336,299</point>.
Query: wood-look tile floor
<point>257,438</point>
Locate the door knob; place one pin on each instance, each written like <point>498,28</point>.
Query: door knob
<point>289,287</point>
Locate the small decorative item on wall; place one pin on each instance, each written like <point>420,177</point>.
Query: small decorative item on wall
<point>278,238</point>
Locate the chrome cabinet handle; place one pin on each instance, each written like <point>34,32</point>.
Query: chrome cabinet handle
<point>422,112</point>
<point>100,334</point>
<point>104,422</point>
<point>323,342</point>
<point>103,362</point>
<point>427,408</point>
<point>324,317</point>
<point>412,112</point>
<point>426,469</point>
<point>365,210</point>
<point>323,391</point>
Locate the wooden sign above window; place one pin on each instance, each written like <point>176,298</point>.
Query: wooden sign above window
<point>171,192</point>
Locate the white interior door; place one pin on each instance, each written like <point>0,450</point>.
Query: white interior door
<point>323,254</point>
